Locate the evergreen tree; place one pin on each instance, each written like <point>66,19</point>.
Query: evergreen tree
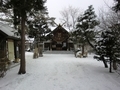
<point>107,47</point>
<point>5,15</point>
<point>85,27</point>
<point>117,6</point>
<point>39,27</point>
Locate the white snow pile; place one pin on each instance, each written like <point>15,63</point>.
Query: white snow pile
<point>61,72</point>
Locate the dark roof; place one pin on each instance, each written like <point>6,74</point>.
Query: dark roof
<point>60,28</point>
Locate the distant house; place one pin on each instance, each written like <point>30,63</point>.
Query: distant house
<point>58,40</point>
<point>9,42</point>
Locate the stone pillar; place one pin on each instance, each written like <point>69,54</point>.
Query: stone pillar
<point>35,55</point>
<point>40,49</point>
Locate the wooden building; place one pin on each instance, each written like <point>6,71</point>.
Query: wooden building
<point>8,42</point>
<point>59,40</point>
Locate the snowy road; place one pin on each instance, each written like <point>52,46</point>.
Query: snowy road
<point>61,72</point>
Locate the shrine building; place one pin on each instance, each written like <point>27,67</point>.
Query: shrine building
<point>59,40</point>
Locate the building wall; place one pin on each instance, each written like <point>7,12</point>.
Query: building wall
<point>11,54</point>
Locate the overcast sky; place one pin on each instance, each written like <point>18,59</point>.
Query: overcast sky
<point>55,6</point>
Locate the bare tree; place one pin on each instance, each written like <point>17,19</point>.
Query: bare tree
<point>108,18</point>
<point>69,17</point>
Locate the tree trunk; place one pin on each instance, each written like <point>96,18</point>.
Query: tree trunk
<point>82,49</point>
<point>114,65</point>
<point>40,49</point>
<point>104,61</point>
<point>94,48</point>
<point>22,69</point>
<point>35,55</point>
<point>110,69</point>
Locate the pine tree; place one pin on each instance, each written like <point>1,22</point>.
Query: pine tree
<point>107,47</point>
<point>117,6</point>
<point>85,27</point>
<point>39,27</point>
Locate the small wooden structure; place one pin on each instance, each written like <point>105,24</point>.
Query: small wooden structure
<point>59,40</point>
<point>9,47</point>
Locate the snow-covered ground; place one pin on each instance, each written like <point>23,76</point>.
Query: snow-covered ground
<point>61,72</point>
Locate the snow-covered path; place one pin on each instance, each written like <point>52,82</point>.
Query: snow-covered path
<point>61,72</point>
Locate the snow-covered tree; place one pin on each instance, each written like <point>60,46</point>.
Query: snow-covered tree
<point>117,5</point>
<point>107,47</point>
<point>39,25</point>
<point>107,44</point>
<point>85,28</point>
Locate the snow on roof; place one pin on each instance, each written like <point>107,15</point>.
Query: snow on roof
<point>54,27</point>
<point>9,31</point>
